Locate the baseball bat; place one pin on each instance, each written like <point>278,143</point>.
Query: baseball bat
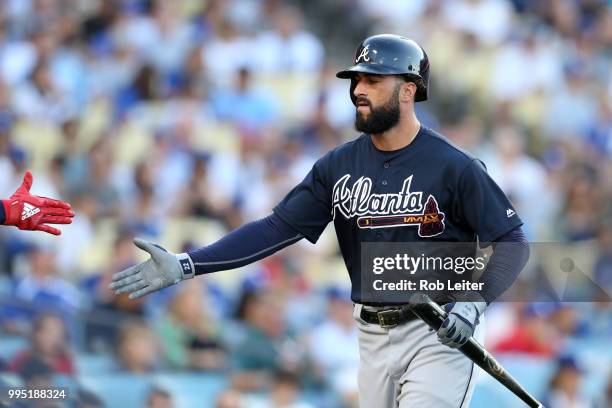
<point>433,315</point>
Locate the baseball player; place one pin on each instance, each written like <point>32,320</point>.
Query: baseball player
<point>29,212</point>
<point>395,166</point>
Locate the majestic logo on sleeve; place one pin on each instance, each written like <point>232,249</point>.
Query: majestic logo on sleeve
<point>401,209</point>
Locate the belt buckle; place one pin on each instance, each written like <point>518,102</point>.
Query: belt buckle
<point>388,318</point>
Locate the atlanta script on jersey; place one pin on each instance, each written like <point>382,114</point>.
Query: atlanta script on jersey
<point>402,209</point>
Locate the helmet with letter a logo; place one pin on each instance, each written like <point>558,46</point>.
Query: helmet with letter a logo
<point>389,54</point>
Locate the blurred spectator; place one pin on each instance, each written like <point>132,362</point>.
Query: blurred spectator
<point>159,398</point>
<point>143,216</point>
<point>329,107</point>
<point>599,134</point>
<point>36,374</point>
<point>284,393</point>
<point>523,179</point>
<point>526,53</point>
<point>605,400</point>
<point>40,99</point>
<point>97,181</point>
<point>262,346</point>
<point>334,346</point>
<point>488,20</point>
<point>137,349</point>
<point>87,399</point>
<point>603,264</point>
<point>581,210</point>
<point>188,335</point>
<point>574,91</point>
<point>171,39</point>
<point>144,88</point>
<point>288,48</point>
<point>173,159</point>
<point>230,399</point>
<point>564,389</point>
<point>108,311</point>
<point>248,108</point>
<point>42,288</point>
<point>565,319</point>
<point>76,239</point>
<point>226,52</point>
<point>197,198</point>
<point>531,334</point>
<point>49,343</point>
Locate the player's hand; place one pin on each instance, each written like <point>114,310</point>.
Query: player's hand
<point>30,212</point>
<point>163,269</point>
<point>461,320</point>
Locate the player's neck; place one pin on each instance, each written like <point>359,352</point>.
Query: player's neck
<point>399,136</point>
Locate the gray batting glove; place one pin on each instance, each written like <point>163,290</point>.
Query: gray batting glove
<point>461,321</point>
<point>163,269</point>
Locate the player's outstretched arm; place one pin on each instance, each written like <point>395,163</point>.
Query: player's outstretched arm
<point>29,212</point>
<point>249,243</point>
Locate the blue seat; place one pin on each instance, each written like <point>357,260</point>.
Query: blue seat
<point>118,390</point>
<point>188,390</point>
<point>93,364</point>
<point>532,373</point>
<point>10,380</point>
<point>10,345</point>
<point>193,390</point>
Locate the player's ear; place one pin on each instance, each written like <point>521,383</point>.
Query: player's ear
<point>408,92</point>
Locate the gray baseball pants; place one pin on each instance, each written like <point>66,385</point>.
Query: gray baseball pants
<point>406,367</point>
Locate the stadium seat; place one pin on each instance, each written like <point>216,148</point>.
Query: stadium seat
<point>9,345</point>
<point>41,141</point>
<point>216,138</point>
<point>9,380</point>
<point>118,390</point>
<point>93,364</point>
<point>533,373</point>
<point>193,390</point>
<point>188,390</point>
<point>5,286</point>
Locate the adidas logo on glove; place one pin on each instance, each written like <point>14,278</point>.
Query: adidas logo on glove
<point>29,211</point>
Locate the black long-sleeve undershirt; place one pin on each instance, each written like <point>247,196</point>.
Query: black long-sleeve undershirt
<point>259,239</point>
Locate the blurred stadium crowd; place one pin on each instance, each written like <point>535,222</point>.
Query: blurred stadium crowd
<point>179,120</point>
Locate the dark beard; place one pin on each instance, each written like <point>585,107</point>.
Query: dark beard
<point>380,119</point>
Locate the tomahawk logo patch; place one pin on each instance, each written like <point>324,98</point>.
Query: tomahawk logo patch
<point>401,209</point>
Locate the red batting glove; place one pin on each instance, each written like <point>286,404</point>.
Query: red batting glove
<point>30,212</point>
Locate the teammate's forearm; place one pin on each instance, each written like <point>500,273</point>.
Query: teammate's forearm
<point>510,254</point>
<point>247,244</point>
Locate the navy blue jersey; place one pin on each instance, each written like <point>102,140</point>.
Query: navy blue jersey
<point>429,190</point>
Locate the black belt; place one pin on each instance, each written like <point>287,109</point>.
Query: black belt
<point>388,318</point>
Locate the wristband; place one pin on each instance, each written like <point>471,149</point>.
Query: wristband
<point>186,263</point>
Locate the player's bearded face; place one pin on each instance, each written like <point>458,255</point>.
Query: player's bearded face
<point>380,118</point>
